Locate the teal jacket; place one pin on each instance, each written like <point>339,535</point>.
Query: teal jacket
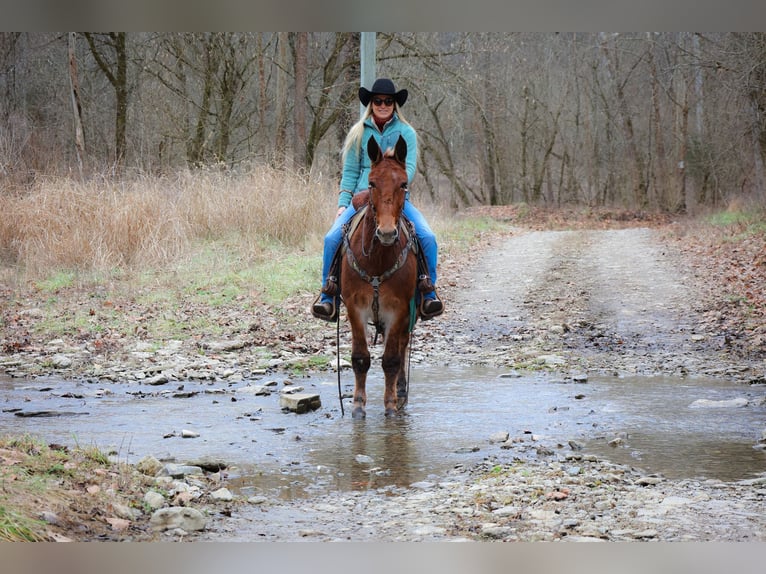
<point>356,168</point>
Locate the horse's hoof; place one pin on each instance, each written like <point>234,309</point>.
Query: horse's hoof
<point>391,412</point>
<point>358,413</point>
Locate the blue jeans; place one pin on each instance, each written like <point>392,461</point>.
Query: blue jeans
<point>426,236</point>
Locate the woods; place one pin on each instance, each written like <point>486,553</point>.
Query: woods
<point>653,121</point>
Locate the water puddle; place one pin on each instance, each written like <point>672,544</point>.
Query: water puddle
<point>452,414</point>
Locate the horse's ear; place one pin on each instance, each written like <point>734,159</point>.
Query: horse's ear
<point>373,150</point>
<point>400,151</point>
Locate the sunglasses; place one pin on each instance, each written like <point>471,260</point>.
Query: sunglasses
<point>381,101</point>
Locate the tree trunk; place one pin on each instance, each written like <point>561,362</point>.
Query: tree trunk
<point>117,75</point>
<point>280,125</point>
<point>611,68</point>
<point>79,138</point>
<point>301,100</point>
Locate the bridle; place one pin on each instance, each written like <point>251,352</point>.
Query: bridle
<point>376,280</point>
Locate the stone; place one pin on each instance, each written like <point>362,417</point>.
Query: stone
<point>223,346</point>
<point>160,379</point>
<point>300,402</point>
<point>500,436</point>
<point>180,470</point>
<point>257,390</point>
<point>189,519</point>
<point>61,362</point>
<point>154,500</point>
<point>223,494</point>
<point>149,466</point>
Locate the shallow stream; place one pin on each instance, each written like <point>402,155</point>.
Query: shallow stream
<point>451,417</point>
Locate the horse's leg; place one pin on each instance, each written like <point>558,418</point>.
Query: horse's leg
<point>360,361</point>
<point>393,363</point>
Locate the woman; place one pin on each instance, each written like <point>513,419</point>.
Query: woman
<point>383,120</point>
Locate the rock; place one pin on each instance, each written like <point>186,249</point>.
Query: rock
<point>209,464</point>
<point>648,480</point>
<point>50,517</point>
<point>508,511</point>
<point>61,362</point>
<point>149,466</point>
<point>180,470</point>
<point>300,402</point>
<point>223,494</point>
<point>189,519</point>
<point>223,346</point>
<point>500,436</point>
<point>551,360</point>
<point>125,512</point>
<point>186,433</point>
<point>491,530</point>
<point>257,390</point>
<point>154,500</point>
<point>580,378</point>
<point>160,379</point>
<point>118,524</point>
<point>737,403</point>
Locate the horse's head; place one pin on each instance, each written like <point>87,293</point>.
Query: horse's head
<point>388,188</point>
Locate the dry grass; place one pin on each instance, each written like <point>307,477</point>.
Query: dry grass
<point>103,224</point>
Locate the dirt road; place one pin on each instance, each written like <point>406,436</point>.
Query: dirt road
<point>614,301</point>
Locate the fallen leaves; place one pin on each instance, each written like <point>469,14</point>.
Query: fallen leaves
<point>560,494</point>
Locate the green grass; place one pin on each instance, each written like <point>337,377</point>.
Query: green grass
<point>15,527</point>
<point>463,231</point>
<point>742,224</point>
<point>57,281</point>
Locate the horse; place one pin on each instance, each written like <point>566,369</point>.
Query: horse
<point>378,278</point>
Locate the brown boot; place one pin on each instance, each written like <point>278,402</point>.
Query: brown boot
<point>325,310</point>
<point>431,308</point>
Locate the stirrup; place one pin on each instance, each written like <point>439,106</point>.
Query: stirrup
<point>425,316</point>
<point>317,305</point>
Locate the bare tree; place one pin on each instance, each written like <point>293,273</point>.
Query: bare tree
<point>110,52</point>
<point>74,83</point>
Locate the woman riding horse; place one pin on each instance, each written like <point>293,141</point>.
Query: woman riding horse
<point>382,120</point>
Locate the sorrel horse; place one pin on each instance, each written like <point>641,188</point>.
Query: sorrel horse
<point>379,276</point>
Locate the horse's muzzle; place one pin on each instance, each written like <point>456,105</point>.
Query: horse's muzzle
<point>387,238</point>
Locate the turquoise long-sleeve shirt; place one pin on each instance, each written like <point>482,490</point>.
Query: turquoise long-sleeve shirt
<point>356,168</point>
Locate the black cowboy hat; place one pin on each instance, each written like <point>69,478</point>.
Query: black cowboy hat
<point>384,87</point>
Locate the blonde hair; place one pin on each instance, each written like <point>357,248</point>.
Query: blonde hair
<point>354,136</point>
